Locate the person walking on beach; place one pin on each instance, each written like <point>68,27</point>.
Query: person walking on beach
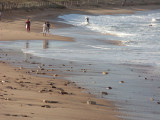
<point>48,27</point>
<point>44,29</point>
<point>28,25</point>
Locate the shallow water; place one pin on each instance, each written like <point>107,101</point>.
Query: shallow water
<point>136,60</point>
<point>140,33</point>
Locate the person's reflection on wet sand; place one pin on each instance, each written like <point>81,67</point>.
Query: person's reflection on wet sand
<point>45,44</point>
<point>27,44</point>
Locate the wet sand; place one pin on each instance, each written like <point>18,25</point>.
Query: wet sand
<point>26,96</point>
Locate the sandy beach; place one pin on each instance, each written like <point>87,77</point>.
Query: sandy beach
<point>27,96</point>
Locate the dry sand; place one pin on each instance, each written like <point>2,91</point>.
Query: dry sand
<point>22,95</point>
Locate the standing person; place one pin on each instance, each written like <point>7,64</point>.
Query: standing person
<point>48,27</point>
<point>87,19</point>
<point>124,2</point>
<point>28,25</point>
<point>0,15</point>
<point>44,28</point>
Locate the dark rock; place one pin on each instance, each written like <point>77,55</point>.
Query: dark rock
<point>109,88</point>
<point>46,106</point>
<point>158,102</point>
<point>50,101</point>
<point>89,102</point>
<point>104,93</point>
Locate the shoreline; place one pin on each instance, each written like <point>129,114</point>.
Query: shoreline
<point>12,24</point>
<point>67,104</point>
<point>27,91</point>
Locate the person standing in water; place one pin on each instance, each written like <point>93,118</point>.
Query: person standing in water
<point>87,19</point>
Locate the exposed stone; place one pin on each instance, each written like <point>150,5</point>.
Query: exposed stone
<point>55,75</point>
<point>3,81</point>
<point>104,73</point>
<point>51,83</point>
<point>158,102</point>
<point>89,102</point>
<point>50,90</point>
<point>42,91</point>
<point>46,106</point>
<point>63,92</point>
<point>50,101</point>
<point>53,86</point>
<point>109,88</point>
<point>20,68</point>
<point>151,99</point>
<point>7,98</point>
<point>43,64</point>
<point>104,93</point>
<point>121,82</point>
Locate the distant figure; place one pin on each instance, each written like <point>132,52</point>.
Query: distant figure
<point>0,15</point>
<point>44,29</point>
<point>28,25</point>
<point>124,2</point>
<point>48,27</point>
<point>87,19</point>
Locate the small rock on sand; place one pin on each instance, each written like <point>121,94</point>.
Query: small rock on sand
<point>109,88</point>
<point>46,106</point>
<point>89,102</point>
<point>121,82</point>
<point>104,93</point>
<point>49,101</point>
<point>55,75</point>
<point>104,73</point>
<point>151,99</point>
<point>7,98</point>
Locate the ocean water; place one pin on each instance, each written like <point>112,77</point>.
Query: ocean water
<point>125,45</point>
<point>140,33</point>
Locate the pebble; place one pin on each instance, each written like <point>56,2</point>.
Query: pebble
<point>49,101</point>
<point>53,86</point>
<point>151,99</point>
<point>109,88</point>
<point>63,92</point>
<point>3,81</point>
<point>20,68</point>
<point>46,106</point>
<point>89,102</point>
<point>55,75</point>
<point>104,73</point>
<point>121,82</point>
<point>7,98</point>
<point>104,93</point>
